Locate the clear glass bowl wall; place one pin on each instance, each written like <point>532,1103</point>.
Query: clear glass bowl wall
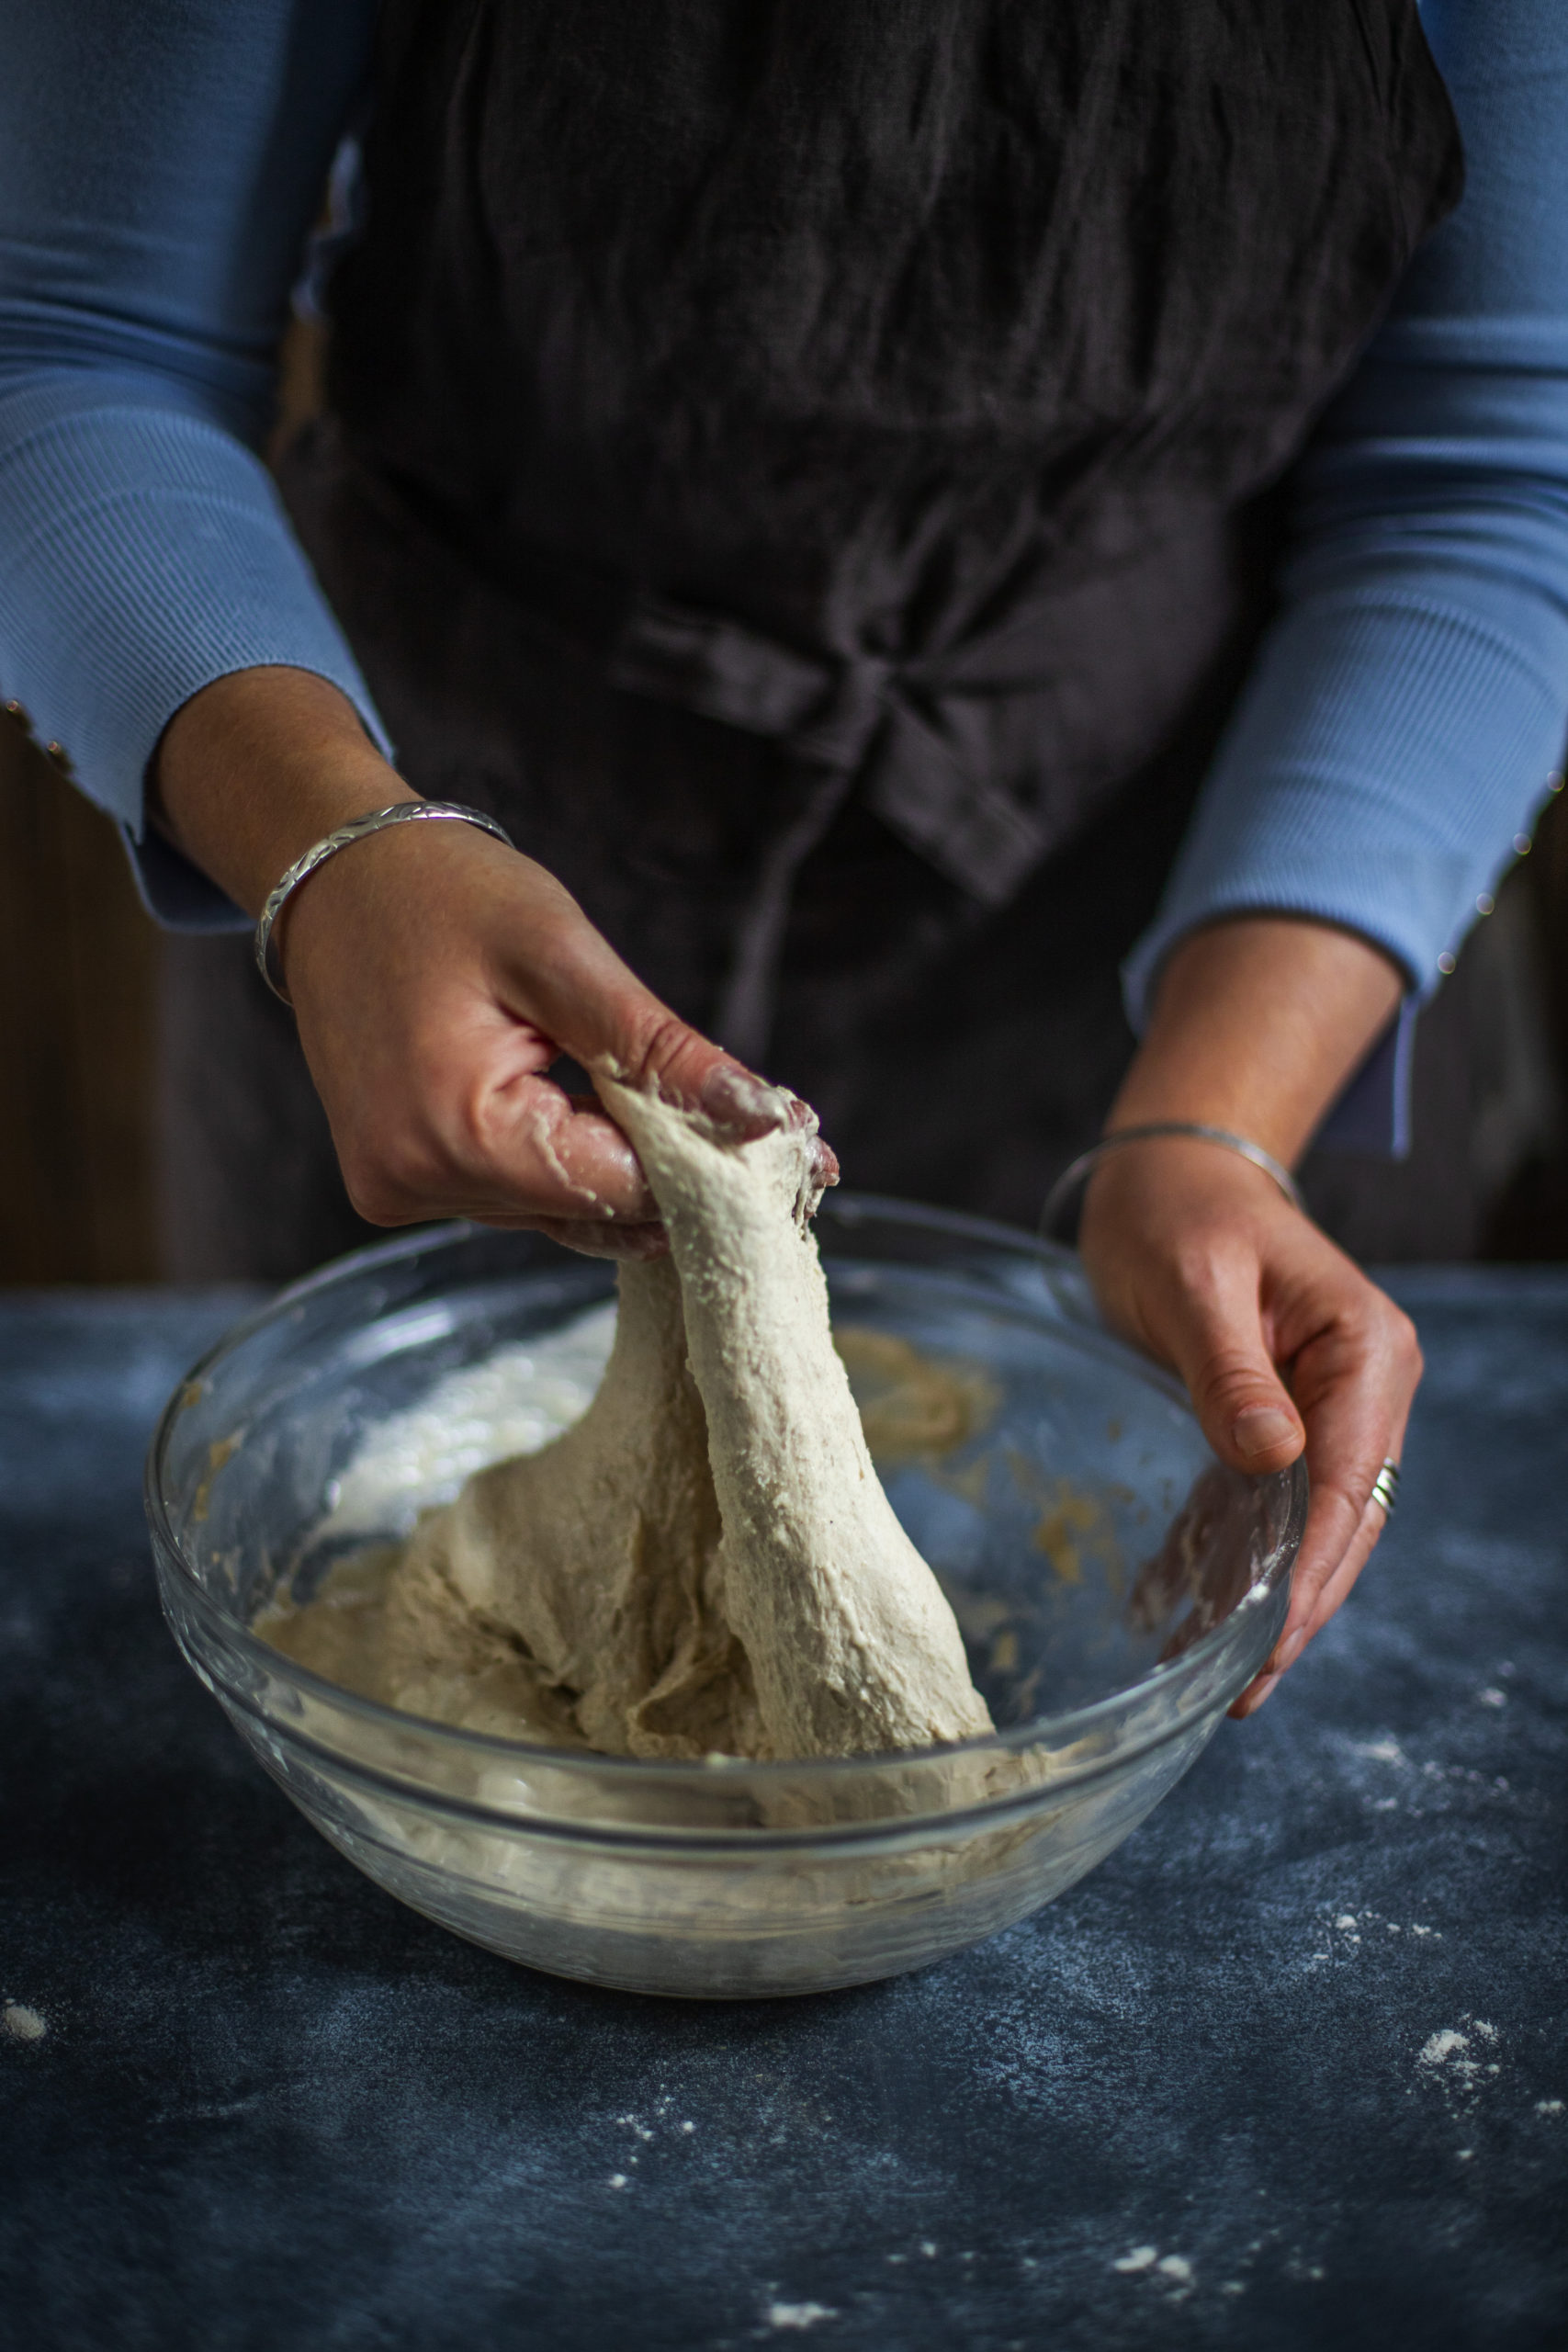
<point>1116,1588</point>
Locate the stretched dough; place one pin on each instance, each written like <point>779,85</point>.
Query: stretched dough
<point>706,1561</point>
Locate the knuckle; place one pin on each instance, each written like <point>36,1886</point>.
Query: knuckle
<point>659,1040</point>
<point>376,1199</point>
<point>459,1129</point>
<point>1229,1379</point>
<point>389,1184</point>
<point>475,1119</point>
<point>1198,1265</point>
<point>1408,1347</point>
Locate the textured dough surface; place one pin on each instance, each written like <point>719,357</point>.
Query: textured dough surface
<point>706,1561</point>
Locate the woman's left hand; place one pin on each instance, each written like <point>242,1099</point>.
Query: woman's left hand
<point>1197,1256</point>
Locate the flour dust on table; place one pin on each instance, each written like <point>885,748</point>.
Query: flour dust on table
<point>706,1562</point>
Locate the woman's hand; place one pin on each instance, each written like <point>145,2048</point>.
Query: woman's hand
<point>436,975</point>
<point>1197,1256</point>
<point>435,984</point>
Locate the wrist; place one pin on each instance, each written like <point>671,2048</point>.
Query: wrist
<point>1170,1190</point>
<point>1257,1026</point>
<point>259,766</point>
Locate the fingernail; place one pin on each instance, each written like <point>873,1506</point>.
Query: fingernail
<point>1261,1428</point>
<point>824,1163</point>
<point>748,1106</point>
<point>1290,1649</point>
<point>1265,1690</point>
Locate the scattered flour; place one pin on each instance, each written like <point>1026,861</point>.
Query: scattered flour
<point>798,2315</point>
<point>22,2023</point>
<point>1455,2059</point>
<point>1141,2257</point>
<point>1441,2046</point>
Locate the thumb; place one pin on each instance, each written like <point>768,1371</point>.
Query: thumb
<point>589,1003</point>
<point>685,1067</point>
<point>1216,1344</point>
<point>594,1007</point>
<point>678,1062</point>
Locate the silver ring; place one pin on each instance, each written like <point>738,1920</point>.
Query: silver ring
<point>359,829</point>
<point>1385,1488</point>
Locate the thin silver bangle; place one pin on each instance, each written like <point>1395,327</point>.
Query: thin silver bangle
<point>1069,1180</point>
<point>358,829</point>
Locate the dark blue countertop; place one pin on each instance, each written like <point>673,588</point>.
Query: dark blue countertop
<point>1291,2069</point>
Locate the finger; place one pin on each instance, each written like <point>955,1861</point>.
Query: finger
<point>577,990</point>
<point>1333,1594</point>
<point>1255,1695</point>
<point>683,1066</point>
<point>824,1159</point>
<point>1331,1598</point>
<point>1213,1331</point>
<point>1307,1617</point>
<point>549,1154</point>
<point>1356,1388</point>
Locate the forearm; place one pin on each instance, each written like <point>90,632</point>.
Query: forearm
<point>1256,1026</point>
<point>1409,708</point>
<point>258,766</point>
<point>159,170</point>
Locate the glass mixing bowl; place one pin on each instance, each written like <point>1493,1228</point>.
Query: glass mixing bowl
<point>1116,1589</point>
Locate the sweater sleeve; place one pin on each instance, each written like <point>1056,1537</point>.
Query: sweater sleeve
<point>146,262</point>
<point>1407,717</point>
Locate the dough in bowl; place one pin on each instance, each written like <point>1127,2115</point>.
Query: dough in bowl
<point>706,1562</point>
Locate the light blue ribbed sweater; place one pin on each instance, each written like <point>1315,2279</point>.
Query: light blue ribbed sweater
<point>159,167</point>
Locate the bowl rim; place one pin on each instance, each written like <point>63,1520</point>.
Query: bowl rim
<point>1063,1270</point>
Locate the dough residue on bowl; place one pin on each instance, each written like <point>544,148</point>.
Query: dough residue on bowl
<point>706,1562</point>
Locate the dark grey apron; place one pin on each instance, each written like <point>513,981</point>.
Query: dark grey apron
<point>806,468</point>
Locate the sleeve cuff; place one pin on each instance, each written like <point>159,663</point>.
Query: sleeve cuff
<point>148,555</point>
<point>1382,771</point>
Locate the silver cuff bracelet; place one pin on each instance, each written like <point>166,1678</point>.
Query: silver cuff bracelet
<point>358,829</point>
<point>1067,1182</point>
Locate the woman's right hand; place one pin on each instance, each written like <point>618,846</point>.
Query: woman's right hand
<point>436,975</point>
